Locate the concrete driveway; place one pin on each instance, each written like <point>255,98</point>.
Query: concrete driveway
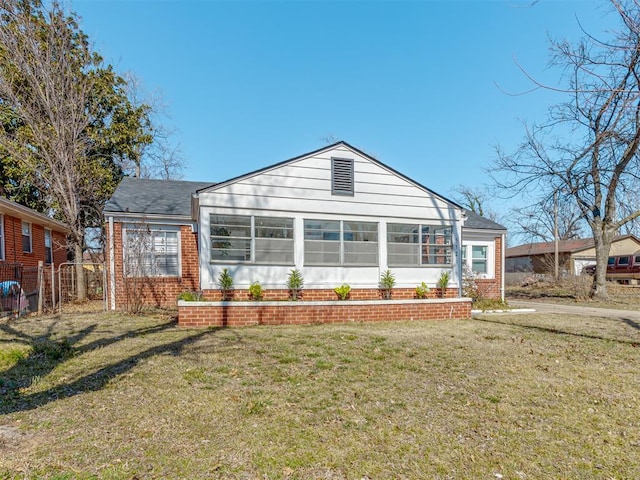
<point>577,310</point>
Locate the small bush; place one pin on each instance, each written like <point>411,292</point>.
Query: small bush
<point>256,291</point>
<point>295,282</point>
<point>343,291</point>
<point>189,296</point>
<point>422,290</point>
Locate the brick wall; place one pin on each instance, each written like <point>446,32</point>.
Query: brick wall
<point>156,291</point>
<point>13,252</point>
<point>326,294</point>
<point>222,314</point>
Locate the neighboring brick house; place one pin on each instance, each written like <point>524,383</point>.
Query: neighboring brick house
<point>27,237</point>
<point>337,214</point>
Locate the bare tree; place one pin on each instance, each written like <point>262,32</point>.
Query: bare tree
<point>589,147</point>
<point>536,223</point>
<point>476,200</point>
<point>161,157</point>
<point>64,118</point>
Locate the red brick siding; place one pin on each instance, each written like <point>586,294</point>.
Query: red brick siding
<point>236,314</point>
<point>328,294</point>
<point>157,291</point>
<point>13,243</point>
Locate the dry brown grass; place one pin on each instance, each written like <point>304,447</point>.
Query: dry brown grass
<point>115,397</point>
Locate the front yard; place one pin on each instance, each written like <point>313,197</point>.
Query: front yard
<point>116,397</point>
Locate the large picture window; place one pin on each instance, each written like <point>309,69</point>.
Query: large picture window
<point>334,242</point>
<point>246,239</point>
<point>152,253</point>
<point>418,245</point>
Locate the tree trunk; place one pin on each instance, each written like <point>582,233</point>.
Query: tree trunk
<point>80,276</point>
<point>602,240</point>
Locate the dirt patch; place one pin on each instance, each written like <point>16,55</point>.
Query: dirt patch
<point>12,438</point>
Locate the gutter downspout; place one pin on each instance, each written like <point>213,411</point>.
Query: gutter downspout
<point>112,266</point>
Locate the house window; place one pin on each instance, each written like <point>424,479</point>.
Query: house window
<point>152,252</point>
<point>479,259</point>
<point>48,251</point>
<point>623,260</point>
<point>246,239</point>
<point>26,237</point>
<point>274,240</point>
<point>1,237</point>
<point>334,242</point>
<point>418,245</point>
<point>342,176</point>
<point>230,238</point>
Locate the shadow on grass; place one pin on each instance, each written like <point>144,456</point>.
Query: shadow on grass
<point>557,331</point>
<point>46,353</point>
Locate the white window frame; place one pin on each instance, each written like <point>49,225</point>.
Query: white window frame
<point>251,253</point>
<point>29,235</point>
<point>341,242</point>
<point>418,231</point>
<point>467,250</point>
<point>49,247</point>
<point>151,230</point>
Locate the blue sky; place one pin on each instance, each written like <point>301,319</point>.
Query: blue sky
<point>249,84</point>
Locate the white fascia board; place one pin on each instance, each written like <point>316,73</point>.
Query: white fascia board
<point>120,217</point>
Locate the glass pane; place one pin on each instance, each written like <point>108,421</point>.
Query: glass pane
<point>230,250</point>
<point>361,253</point>
<point>623,261</point>
<point>231,226</point>
<point>322,230</point>
<point>274,251</point>
<point>401,233</point>
<point>479,266</point>
<point>26,228</point>
<point>47,238</point>
<point>321,252</point>
<point>403,254</point>
<point>274,227</point>
<point>479,252</point>
<point>360,232</point>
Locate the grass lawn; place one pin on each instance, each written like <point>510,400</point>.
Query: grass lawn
<point>514,396</point>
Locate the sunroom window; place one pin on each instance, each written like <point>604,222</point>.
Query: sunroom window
<point>335,242</point>
<point>247,239</point>
<point>418,245</point>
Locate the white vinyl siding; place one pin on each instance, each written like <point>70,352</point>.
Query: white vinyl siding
<point>333,242</point>
<point>418,245</point>
<point>27,243</point>
<point>152,252</point>
<point>248,239</point>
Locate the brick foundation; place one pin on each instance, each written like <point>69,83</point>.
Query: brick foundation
<point>223,314</point>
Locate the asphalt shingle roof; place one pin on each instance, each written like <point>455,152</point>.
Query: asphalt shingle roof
<point>475,221</point>
<point>153,197</point>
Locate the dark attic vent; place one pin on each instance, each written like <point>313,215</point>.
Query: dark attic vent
<point>342,176</point>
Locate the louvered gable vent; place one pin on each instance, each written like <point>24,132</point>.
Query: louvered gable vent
<point>342,176</point>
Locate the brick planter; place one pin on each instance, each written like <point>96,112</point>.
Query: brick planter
<point>232,314</point>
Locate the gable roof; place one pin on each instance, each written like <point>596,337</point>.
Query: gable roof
<point>477,222</point>
<point>324,149</point>
<point>25,213</point>
<point>564,246</point>
<point>147,196</point>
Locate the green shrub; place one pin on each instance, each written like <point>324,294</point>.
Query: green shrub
<point>256,291</point>
<point>295,282</point>
<point>189,296</point>
<point>225,282</point>
<point>387,282</point>
<point>343,291</point>
<point>422,290</point>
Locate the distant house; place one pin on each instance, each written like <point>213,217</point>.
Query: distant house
<point>336,214</point>
<point>573,255</point>
<point>27,237</point>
